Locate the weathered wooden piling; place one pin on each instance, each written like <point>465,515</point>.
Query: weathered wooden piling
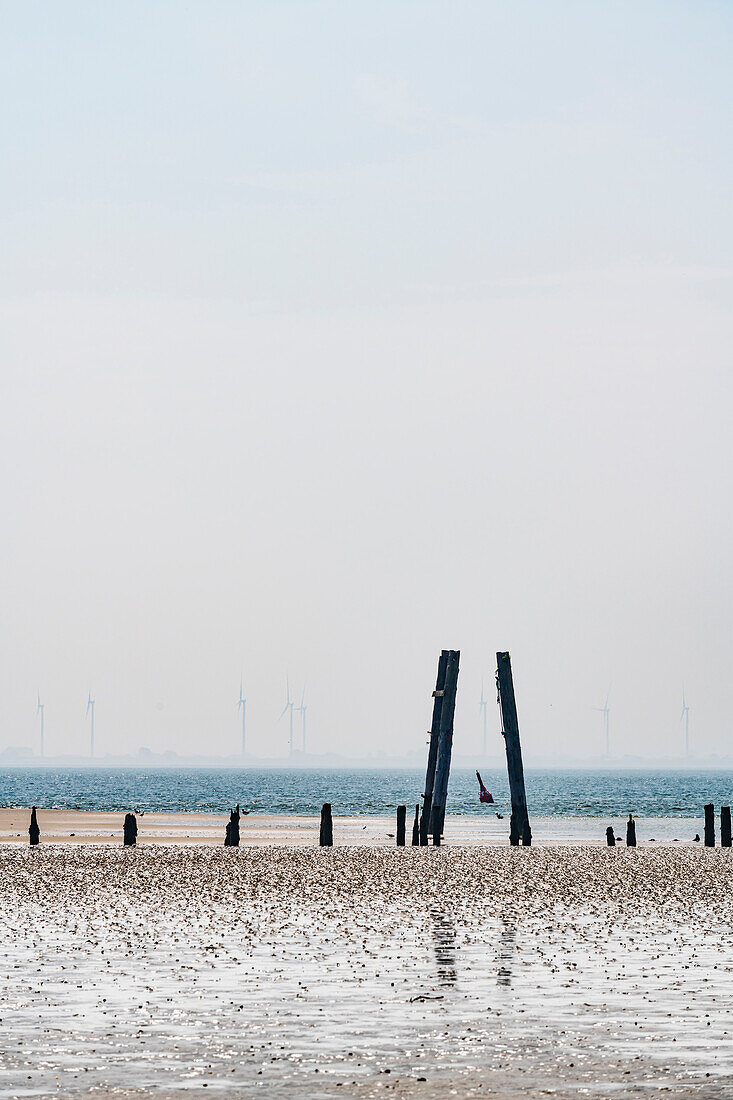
<point>416,827</point>
<point>427,806</point>
<point>129,831</point>
<point>630,833</point>
<point>326,837</point>
<point>401,825</point>
<point>34,833</point>
<point>519,824</point>
<point>610,838</point>
<point>231,839</point>
<point>445,746</point>
<point>710,825</point>
<point>725,837</point>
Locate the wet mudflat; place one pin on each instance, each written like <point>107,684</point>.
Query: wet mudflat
<point>292,972</point>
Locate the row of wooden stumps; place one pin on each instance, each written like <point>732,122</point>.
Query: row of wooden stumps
<point>725,833</point>
<point>129,830</point>
<point>630,834</point>
<point>326,834</point>
<point>725,829</point>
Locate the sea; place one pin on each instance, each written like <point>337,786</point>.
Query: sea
<point>550,793</point>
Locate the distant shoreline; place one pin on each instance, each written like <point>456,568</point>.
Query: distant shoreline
<point>340,764</point>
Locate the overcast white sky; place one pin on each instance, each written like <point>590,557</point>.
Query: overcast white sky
<point>334,334</point>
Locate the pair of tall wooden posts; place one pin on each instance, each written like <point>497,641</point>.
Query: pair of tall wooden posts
<point>440,747</point>
<point>441,744</point>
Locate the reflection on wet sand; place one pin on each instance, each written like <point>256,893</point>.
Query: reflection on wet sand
<point>443,929</point>
<point>255,970</point>
<point>506,951</point>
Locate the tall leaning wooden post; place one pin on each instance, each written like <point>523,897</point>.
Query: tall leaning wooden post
<point>519,827</point>
<point>725,837</point>
<point>709,825</point>
<point>427,806</point>
<point>445,746</point>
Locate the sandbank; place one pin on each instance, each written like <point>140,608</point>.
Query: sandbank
<point>64,826</point>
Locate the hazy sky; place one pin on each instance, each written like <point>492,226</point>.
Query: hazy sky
<point>334,334</point>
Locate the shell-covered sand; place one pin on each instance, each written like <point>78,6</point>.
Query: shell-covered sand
<point>299,972</point>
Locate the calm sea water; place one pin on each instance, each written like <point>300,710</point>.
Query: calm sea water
<point>274,791</point>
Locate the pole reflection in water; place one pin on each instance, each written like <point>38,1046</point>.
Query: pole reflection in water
<point>506,951</point>
<point>444,943</point>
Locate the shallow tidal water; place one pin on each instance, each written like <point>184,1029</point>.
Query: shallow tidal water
<point>576,793</point>
<point>305,972</point>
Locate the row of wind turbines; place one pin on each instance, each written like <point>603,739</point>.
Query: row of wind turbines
<point>289,709</point>
<point>241,707</point>
<point>605,711</point>
<point>40,707</point>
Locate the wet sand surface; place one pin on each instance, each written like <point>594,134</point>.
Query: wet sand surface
<point>297,972</point>
<point>104,827</point>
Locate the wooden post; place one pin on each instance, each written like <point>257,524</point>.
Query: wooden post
<point>401,825</point>
<point>129,831</point>
<point>326,838</point>
<point>416,827</point>
<point>725,827</point>
<point>710,825</point>
<point>231,840</point>
<point>610,838</point>
<point>427,806</point>
<point>630,833</point>
<point>34,833</point>
<point>519,825</point>
<point>445,746</point>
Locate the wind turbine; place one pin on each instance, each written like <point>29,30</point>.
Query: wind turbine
<point>39,710</point>
<point>686,715</point>
<point>90,708</point>
<point>242,705</point>
<point>482,708</point>
<point>288,707</point>
<point>302,709</point>
<point>605,710</point>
